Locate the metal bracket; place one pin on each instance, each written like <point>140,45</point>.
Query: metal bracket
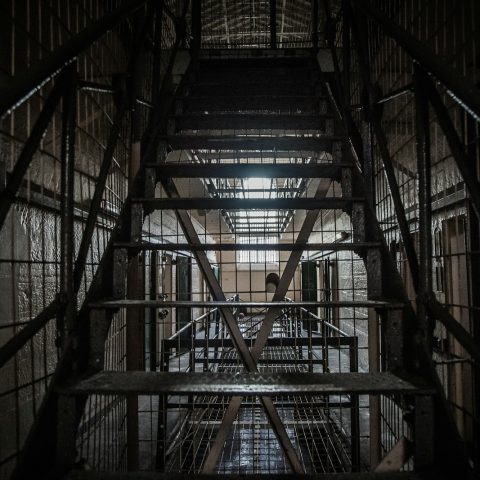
<point>373,264</point>
<point>120,269</point>
<point>99,326</point>
<point>3,176</point>
<point>67,416</point>
<point>136,222</point>
<point>358,221</point>
<point>337,152</point>
<point>424,439</point>
<point>394,338</point>
<point>150,182</point>
<point>347,182</point>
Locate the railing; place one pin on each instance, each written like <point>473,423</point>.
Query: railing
<point>190,331</point>
<point>391,115</point>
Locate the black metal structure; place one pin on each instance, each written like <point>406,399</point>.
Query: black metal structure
<point>175,154</point>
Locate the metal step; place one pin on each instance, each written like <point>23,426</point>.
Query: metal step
<point>209,203</point>
<point>273,88</point>
<point>142,475</point>
<point>228,247</point>
<point>228,142</point>
<point>235,74</point>
<point>116,304</point>
<point>259,63</point>
<point>248,170</point>
<point>263,384</point>
<point>252,102</point>
<point>251,121</point>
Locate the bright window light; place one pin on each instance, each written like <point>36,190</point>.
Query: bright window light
<point>257,256</point>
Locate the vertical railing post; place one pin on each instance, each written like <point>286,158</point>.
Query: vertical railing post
<point>354,408</point>
<point>153,311</point>
<point>346,56</point>
<point>207,337</point>
<point>315,25</point>
<point>196,26</point>
<point>273,24</point>
<point>162,412</point>
<point>424,202</point>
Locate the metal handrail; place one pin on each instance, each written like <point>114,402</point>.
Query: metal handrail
<point>324,322</point>
<point>233,298</point>
<point>316,317</point>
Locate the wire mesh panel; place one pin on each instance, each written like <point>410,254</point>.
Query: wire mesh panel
<point>448,30</point>
<point>31,253</point>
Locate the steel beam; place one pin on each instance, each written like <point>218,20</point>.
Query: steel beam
<point>463,90</point>
<point>464,161</point>
<point>97,198</point>
<point>225,304</point>
<point>67,318</point>
<point>424,169</point>
<point>12,346</point>
<point>250,121</point>
<point>271,342</point>
<point>8,194</point>
<point>198,142</point>
<point>305,103</point>
<point>249,170</point>
<point>223,247</point>
<point>209,203</point>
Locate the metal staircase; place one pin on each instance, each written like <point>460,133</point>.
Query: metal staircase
<point>272,114</point>
<point>214,98</point>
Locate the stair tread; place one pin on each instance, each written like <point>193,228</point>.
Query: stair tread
<point>238,142</point>
<point>114,304</point>
<point>272,96</point>
<point>244,246</point>
<point>248,170</point>
<point>250,121</point>
<point>226,383</point>
<point>209,203</point>
<point>142,475</point>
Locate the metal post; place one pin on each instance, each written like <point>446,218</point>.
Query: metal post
<point>315,24</point>
<point>424,203</point>
<point>162,413</point>
<point>374,400</point>
<point>273,24</point>
<point>153,311</point>
<point>196,26</point>
<point>354,409</point>
<point>424,435</point>
<point>346,54</point>
<point>67,245</point>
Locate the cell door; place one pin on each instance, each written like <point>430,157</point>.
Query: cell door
<point>309,290</point>
<point>184,291</point>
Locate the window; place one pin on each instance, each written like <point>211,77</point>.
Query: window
<point>257,256</point>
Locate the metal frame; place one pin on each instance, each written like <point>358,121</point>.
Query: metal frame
<point>61,64</point>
